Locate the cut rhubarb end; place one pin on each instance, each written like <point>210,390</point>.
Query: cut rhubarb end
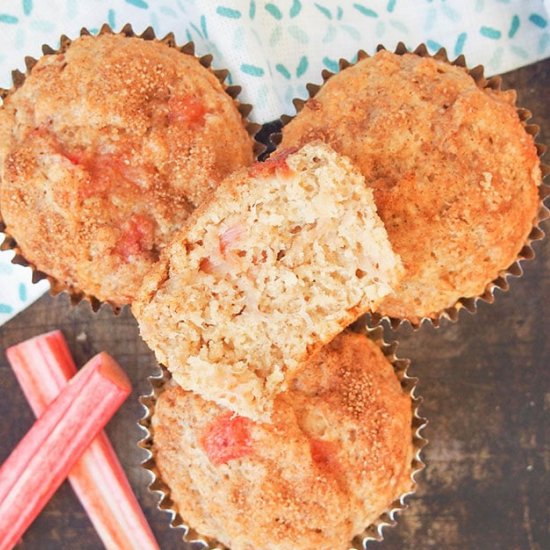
<point>43,366</point>
<point>44,457</point>
<point>112,371</point>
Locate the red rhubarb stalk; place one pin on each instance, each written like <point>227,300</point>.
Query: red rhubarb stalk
<point>44,457</point>
<point>43,366</point>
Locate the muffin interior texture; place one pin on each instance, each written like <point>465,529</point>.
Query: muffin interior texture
<point>338,453</point>
<point>282,258</point>
<point>454,172</point>
<point>104,151</point>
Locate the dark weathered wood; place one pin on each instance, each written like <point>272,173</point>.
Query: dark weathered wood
<point>486,383</point>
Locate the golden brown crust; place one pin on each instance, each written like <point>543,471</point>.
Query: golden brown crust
<point>108,147</point>
<point>454,172</point>
<point>338,453</point>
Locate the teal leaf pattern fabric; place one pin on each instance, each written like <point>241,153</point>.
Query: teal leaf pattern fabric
<point>16,288</point>
<point>273,48</point>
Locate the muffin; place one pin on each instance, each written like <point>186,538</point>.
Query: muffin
<point>105,149</point>
<point>455,175</point>
<point>338,454</point>
<point>281,258</point>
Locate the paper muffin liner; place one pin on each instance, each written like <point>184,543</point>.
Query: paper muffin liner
<point>372,532</point>
<point>501,282</point>
<point>18,78</point>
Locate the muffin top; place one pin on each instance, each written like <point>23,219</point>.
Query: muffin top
<point>453,170</point>
<point>104,151</point>
<point>338,453</point>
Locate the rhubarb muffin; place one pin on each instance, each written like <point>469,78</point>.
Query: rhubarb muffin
<point>338,454</point>
<point>455,175</point>
<point>105,150</point>
<point>282,257</point>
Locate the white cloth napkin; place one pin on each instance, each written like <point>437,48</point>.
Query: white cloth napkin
<point>273,49</point>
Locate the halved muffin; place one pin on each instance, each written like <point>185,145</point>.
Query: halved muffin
<point>281,259</point>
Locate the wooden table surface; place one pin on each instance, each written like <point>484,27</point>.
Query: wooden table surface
<point>485,381</point>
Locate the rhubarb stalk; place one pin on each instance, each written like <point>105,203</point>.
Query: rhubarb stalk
<point>43,366</point>
<point>44,457</point>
